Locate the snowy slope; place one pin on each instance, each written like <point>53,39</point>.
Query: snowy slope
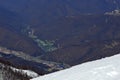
<point>28,72</point>
<point>104,69</point>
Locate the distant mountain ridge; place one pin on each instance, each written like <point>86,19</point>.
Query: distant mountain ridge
<point>44,10</point>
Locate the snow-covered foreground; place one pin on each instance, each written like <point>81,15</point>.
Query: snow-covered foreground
<point>104,69</point>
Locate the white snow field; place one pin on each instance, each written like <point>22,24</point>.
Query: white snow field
<point>104,69</point>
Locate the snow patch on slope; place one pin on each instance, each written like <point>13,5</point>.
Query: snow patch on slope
<point>104,69</point>
<point>28,72</point>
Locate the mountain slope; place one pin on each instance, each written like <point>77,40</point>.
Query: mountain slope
<point>78,30</point>
<point>10,36</point>
<point>105,69</point>
<point>41,12</point>
<point>83,38</point>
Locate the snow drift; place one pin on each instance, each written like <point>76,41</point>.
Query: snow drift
<point>104,69</point>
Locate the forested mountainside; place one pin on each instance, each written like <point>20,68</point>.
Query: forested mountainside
<point>18,49</point>
<point>10,36</point>
<point>84,38</point>
<point>59,31</point>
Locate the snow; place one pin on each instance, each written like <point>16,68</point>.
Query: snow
<point>28,72</point>
<point>31,73</point>
<point>104,69</point>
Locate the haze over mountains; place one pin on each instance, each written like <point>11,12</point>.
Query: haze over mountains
<point>63,31</point>
<point>38,11</point>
